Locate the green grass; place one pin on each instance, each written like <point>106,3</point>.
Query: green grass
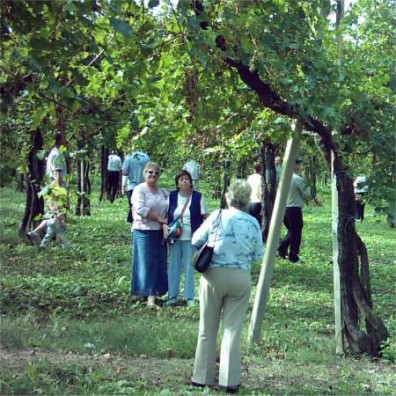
<point>69,325</point>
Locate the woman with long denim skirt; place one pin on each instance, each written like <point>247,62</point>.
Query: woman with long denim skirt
<point>149,203</point>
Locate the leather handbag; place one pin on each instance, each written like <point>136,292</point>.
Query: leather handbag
<point>203,257</point>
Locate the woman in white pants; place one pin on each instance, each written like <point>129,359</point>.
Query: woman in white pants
<point>224,289</point>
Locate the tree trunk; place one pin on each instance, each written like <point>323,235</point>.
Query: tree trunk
<point>267,151</point>
<point>103,174</point>
<point>83,207</point>
<point>355,297</point>
<point>355,278</point>
<point>34,205</point>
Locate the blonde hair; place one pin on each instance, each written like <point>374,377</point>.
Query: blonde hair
<point>238,194</point>
<point>152,165</point>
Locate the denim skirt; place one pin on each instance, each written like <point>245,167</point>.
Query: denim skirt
<point>149,256</point>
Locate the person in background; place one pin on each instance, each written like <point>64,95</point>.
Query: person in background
<point>114,167</point>
<point>360,186</point>
<point>56,167</point>
<point>149,205</point>
<point>278,168</point>
<point>298,194</point>
<point>188,204</point>
<point>225,286</point>
<point>54,226</point>
<point>255,181</point>
<point>132,168</point>
<point>193,168</point>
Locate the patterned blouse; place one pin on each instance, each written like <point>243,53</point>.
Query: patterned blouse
<point>238,241</point>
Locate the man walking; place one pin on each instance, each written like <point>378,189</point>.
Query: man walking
<point>132,168</point>
<point>114,167</point>
<point>298,194</point>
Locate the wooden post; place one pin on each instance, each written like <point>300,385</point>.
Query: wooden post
<point>336,270</point>
<point>268,262</point>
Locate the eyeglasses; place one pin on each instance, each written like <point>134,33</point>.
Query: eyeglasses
<point>151,172</point>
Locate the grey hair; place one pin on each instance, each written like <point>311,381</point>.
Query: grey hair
<point>238,195</point>
<point>152,165</point>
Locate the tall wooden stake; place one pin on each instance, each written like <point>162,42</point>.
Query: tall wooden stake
<point>268,263</point>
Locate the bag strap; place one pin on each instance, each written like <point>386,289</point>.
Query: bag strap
<point>218,219</point>
<point>184,208</point>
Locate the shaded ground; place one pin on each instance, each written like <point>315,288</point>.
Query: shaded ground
<point>259,377</point>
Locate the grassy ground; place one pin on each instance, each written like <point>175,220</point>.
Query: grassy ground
<point>69,326</point>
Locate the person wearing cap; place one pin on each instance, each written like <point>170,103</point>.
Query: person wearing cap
<point>360,187</point>
<point>299,193</point>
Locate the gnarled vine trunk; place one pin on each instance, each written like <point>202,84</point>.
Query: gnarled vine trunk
<point>34,205</point>
<point>355,291</point>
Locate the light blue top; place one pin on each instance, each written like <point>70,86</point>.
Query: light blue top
<point>133,168</point>
<point>238,241</point>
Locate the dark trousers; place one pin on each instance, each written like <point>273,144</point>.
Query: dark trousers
<point>294,223</point>
<point>129,196</point>
<point>113,180</point>
<point>254,209</point>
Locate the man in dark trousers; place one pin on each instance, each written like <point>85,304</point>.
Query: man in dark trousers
<point>298,194</point>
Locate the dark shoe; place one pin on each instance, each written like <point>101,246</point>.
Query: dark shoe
<point>282,254</point>
<point>230,389</point>
<point>294,259</point>
<point>197,385</point>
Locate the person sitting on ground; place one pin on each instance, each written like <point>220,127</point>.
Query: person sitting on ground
<point>54,226</point>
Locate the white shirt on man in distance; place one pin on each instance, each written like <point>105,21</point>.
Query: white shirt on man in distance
<point>114,164</point>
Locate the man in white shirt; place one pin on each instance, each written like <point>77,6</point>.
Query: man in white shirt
<point>56,167</point>
<point>298,194</point>
<point>255,181</point>
<point>193,168</point>
<point>114,167</point>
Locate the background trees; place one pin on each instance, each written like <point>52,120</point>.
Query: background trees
<point>214,80</point>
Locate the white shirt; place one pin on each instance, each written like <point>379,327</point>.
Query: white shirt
<point>186,229</point>
<point>255,182</point>
<point>193,169</point>
<point>114,164</point>
<point>56,162</point>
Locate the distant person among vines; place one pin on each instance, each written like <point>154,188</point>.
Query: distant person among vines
<point>114,167</point>
<point>255,181</point>
<point>132,168</point>
<point>190,207</point>
<point>56,168</point>
<point>194,169</point>
<point>299,193</point>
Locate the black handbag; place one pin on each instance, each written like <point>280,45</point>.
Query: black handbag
<point>203,257</point>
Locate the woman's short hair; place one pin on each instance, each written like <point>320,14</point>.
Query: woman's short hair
<point>238,195</point>
<point>181,174</point>
<point>152,165</point>
<point>257,167</point>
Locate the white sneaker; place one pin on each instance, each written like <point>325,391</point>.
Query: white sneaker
<point>36,240</point>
